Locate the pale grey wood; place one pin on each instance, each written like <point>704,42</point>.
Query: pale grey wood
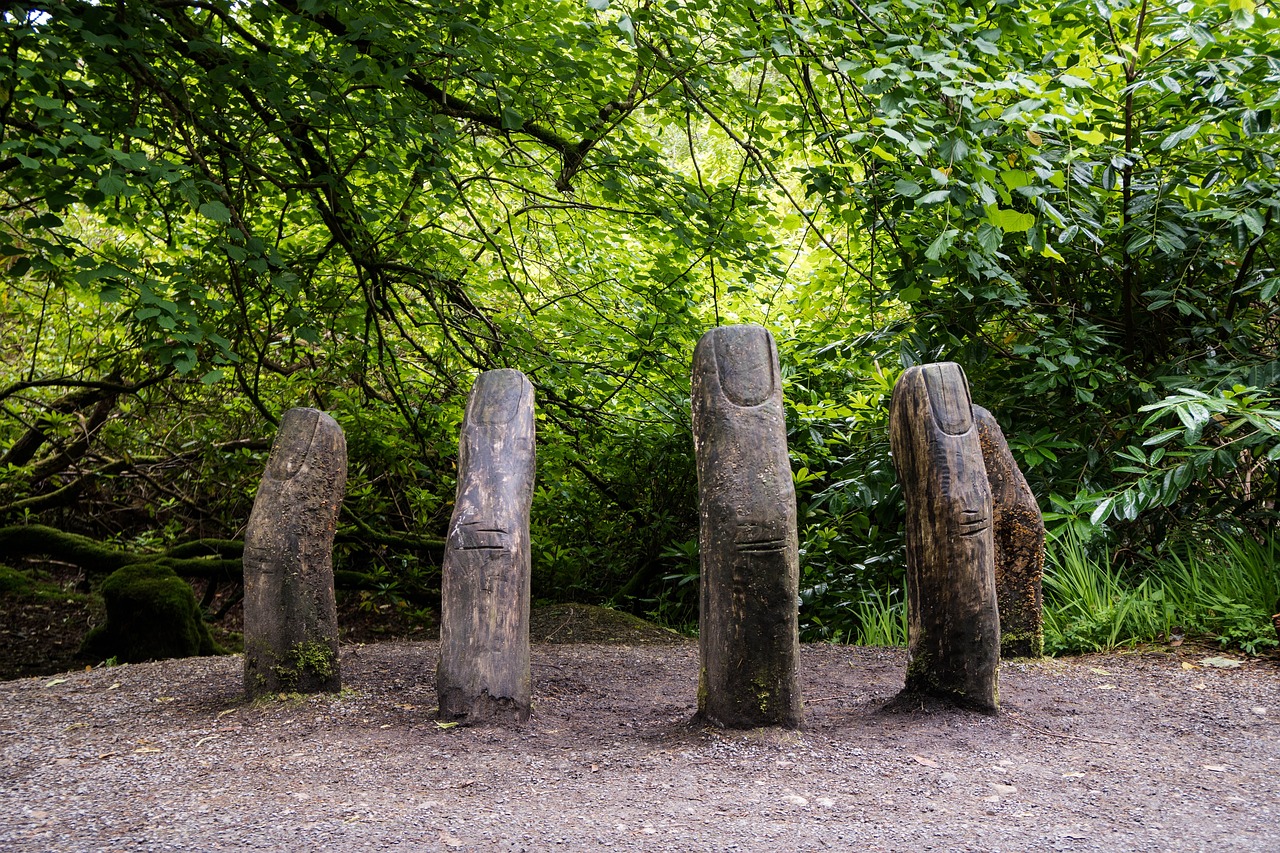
<point>290,617</point>
<point>1018,530</point>
<point>483,671</point>
<point>748,635</point>
<point>954,643</point>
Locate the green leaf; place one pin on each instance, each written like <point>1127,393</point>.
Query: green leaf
<point>1179,136</point>
<point>215,210</point>
<point>906,189</point>
<point>1012,221</point>
<point>511,120</point>
<point>941,244</point>
<point>1242,13</point>
<point>1101,511</point>
<point>1161,438</point>
<point>882,154</point>
<point>112,184</point>
<point>1253,220</point>
<point>1015,178</point>
<point>628,28</point>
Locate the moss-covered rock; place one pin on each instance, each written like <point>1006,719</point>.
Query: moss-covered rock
<point>13,582</point>
<point>151,614</point>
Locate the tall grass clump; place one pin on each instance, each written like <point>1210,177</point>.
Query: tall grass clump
<point>882,619</point>
<point>1227,587</point>
<point>1090,606</point>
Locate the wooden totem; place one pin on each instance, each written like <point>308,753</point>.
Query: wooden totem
<point>750,565</point>
<point>290,618</point>
<point>1018,531</point>
<point>483,672</point>
<point>954,645</point>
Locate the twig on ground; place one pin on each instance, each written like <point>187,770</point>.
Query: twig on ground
<point>1012,717</point>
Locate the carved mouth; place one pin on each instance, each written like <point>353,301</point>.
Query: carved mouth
<point>973,522</point>
<point>762,546</point>
<point>471,537</point>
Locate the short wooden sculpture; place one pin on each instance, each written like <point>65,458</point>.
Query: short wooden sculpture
<point>1018,531</point>
<point>290,617</point>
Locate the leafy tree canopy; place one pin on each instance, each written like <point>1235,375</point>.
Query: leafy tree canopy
<point>211,211</point>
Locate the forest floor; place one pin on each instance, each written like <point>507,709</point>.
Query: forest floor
<point>1154,751</point>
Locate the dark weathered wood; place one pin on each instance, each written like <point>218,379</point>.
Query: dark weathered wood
<point>483,672</point>
<point>290,618</point>
<point>1018,530</point>
<point>748,634</point>
<point>954,646</point>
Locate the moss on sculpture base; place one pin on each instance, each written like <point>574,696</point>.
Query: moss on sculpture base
<point>1021,644</point>
<point>152,614</point>
<point>306,667</point>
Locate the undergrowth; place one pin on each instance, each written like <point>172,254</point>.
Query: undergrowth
<point>1224,588</point>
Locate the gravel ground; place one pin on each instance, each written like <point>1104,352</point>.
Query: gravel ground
<point>1133,752</point>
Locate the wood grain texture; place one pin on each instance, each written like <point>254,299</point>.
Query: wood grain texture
<point>954,626</point>
<point>1018,531</point>
<point>749,632</point>
<point>484,671</point>
<point>290,617</point>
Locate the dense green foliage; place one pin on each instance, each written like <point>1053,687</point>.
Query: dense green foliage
<point>213,211</point>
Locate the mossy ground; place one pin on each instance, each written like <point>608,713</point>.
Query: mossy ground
<point>585,623</point>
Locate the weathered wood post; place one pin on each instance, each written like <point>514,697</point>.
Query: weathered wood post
<point>954,644</point>
<point>483,672</point>
<point>749,635</point>
<point>290,618</point>
<point>1018,530</point>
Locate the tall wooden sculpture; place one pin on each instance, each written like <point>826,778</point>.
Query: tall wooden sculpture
<point>954,645</point>
<point>483,671</point>
<point>290,618</point>
<point>750,566</point>
<point>1018,531</point>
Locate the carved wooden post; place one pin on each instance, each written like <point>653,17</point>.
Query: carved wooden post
<point>954,646</point>
<point>1018,530</point>
<point>290,619</point>
<point>483,671</point>
<point>750,565</point>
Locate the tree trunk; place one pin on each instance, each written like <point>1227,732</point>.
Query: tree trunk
<point>290,617</point>
<point>1018,531</point>
<point>749,635</point>
<point>484,670</point>
<point>954,646</point>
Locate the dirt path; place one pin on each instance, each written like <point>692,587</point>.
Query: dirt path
<point>1106,753</point>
